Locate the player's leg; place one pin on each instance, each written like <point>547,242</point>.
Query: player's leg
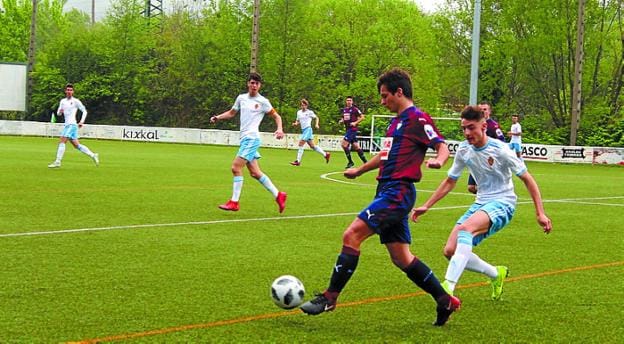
<point>300,150</point>
<point>460,242</point>
<point>318,150</point>
<point>85,150</point>
<point>419,273</point>
<point>237,184</point>
<point>60,151</point>
<point>254,170</point>
<point>345,266</point>
<point>356,146</point>
<point>346,148</point>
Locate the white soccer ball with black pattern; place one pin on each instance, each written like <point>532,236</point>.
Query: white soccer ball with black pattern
<point>287,292</point>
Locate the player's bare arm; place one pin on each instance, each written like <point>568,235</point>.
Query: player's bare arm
<point>441,157</point>
<point>447,185</point>
<point>223,116</point>
<point>371,164</point>
<point>534,191</point>
<point>279,133</point>
<point>316,125</point>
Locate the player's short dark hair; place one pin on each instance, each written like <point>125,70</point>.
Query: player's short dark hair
<point>68,86</point>
<point>394,79</point>
<point>349,97</point>
<point>254,76</point>
<point>484,102</point>
<point>472,113</point>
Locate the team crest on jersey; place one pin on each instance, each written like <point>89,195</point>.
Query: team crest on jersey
<point>256,106</point>
<point>491,161</point>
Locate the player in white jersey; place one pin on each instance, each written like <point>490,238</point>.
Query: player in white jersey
<point>492,164</point>
<point>252,107</point>
<point>515,143</point>
<point>304,119</point>
<point>68,107</point>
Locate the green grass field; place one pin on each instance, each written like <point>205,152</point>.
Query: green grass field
<point>137,251</point>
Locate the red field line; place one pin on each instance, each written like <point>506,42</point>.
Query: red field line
<point>342,305</point>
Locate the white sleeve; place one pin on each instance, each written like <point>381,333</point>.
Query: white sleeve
<point>82,109</point>
<point>236,106</point>
<point>458,166</point>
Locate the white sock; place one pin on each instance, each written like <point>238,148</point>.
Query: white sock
<point>319,150</point>
<point>60,151</point>
<point>300,153</point>
<point>237,187</point>
<point>460,258</point>
<point>85,150</point>
<point>476,264</point>
<point>268,184</point>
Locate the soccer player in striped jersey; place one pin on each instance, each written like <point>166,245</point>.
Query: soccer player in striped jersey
<point>351,117</point>
<point>407,139</point>
<point>252,107</point>
<point>492,163</point>
<point>68,107</point>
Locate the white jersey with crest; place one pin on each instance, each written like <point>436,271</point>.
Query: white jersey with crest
<point>305,118</point>
<point>516,129</point>
<point>252,111</point>
<point>492,167</point>
<point>70,106</point>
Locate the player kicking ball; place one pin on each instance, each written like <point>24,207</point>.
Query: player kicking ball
<point>409,136</point>
<point>492,163</point>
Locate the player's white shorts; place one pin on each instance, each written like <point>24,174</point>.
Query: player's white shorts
<point>70,131</point>
<point>248,149</point>
<point>306,134</point>
<point>500,214</point>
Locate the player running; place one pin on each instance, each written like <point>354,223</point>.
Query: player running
<point>492,163</point>
<point>68,107</point>
<point>252,106</point>
<point>351,117</point>
<point>304,119</point>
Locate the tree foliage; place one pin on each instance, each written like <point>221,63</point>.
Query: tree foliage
<point>190,65</point>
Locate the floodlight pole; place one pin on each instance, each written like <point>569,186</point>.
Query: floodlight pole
<point>255,36</point>
<point>31,49</point>
<point>578,74</point>
<point>474,65</point>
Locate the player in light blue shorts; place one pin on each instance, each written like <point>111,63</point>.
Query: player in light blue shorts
<point>68,107</point>
<point>248,149</point>
<point>252,107</point>
<point>304,120</point>
<point>492,164</point>
<point>500,214</point>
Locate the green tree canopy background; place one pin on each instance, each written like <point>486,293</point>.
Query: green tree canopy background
<point>185,67</point>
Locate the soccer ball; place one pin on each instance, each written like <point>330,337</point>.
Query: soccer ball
<point>287,292</point>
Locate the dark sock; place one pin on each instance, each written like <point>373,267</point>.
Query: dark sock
<point>361,155</point>
<point>420,274</point>
<point>348,154</point>
<point>342,272</point>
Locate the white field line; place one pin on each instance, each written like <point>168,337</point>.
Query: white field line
<point>194,223</point>
<point>296,217</point>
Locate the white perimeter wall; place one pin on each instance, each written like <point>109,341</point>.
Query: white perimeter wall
<point>532,152</point>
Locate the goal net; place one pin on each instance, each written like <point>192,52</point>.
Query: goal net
<point>448,127</point>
